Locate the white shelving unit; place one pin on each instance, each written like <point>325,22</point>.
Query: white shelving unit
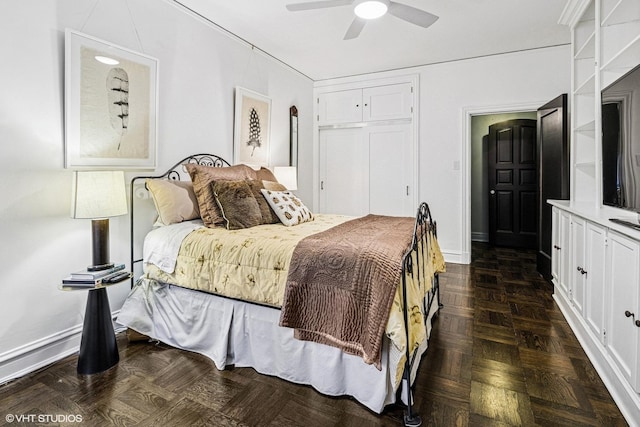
<point>605,45</point>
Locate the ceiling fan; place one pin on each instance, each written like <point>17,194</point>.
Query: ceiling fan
<point>370,9</point>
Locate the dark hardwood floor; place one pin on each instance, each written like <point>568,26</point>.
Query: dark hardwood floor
<point>501,354</point>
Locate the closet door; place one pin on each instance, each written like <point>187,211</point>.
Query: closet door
<point>343,106</point>
<point>390,169</point>
<point>387,102</point>
<point>343,172</point>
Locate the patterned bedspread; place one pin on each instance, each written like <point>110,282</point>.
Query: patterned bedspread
<point>252,264</point>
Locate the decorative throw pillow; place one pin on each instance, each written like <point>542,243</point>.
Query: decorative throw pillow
<point>290,209</point>
<point>175,200</point>
<point>237,204</point>
<point>265,174</point>
<point>268,215</point>
<point>203,176</point>
<point>273,186</point>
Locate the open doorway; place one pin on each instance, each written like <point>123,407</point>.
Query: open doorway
<point>479,169</point>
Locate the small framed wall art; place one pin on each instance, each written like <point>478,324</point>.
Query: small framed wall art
<point>251,128</point>
<point>111,101</point>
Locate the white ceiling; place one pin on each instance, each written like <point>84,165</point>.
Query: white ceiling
<point>311,41</point>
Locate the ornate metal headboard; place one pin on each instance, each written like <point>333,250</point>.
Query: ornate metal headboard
<point>177,172</point>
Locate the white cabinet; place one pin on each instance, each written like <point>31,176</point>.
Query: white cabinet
<point>367,170</point>
<point>378,103</point>
<point>593,274</point>
<point>560,258</point>
<point>577,274</point>
<point>577,266</point>
<point>605,45</point>
<point>343,106</point>
<point>623,280</point>
<point>367,148</point>
<point>597,287</point>
<point>555,245</point>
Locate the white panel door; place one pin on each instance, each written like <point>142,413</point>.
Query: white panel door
<point>555,245</point>
<point>390,170</point>
<point>595,246</point>
<point>564,252</point>
<point>623,308</point>
<point>344,106</point>
<point>387,102</point>
<point>344,172</point>
<point>577,266</point>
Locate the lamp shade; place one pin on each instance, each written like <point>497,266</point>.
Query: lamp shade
<point>98,194</point>
<point>287,176</point>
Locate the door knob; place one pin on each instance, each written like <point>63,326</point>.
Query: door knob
<point>492,192</point>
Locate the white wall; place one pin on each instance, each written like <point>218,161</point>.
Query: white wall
<point>199,66</point>
<point>450,93</point>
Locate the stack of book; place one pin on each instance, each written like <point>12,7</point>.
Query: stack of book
<point>86,278</point>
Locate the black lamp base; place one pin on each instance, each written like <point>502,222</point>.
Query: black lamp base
<point>100,243</point>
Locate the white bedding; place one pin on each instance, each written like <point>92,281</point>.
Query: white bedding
<point>162,244</point>
<point>232,332</point>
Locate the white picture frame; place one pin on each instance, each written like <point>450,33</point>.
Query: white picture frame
<point>111,105</point>
<point>252,128</point>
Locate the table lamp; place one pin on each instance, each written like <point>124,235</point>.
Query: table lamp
<point>287,176</point>
<point>98,195</point>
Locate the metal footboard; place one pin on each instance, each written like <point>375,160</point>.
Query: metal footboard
<point>425,229</point>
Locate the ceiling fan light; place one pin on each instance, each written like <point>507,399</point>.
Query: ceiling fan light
<point>370,9</point>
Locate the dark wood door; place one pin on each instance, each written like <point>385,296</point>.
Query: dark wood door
<point>553,172</point>
<point>513,184</point>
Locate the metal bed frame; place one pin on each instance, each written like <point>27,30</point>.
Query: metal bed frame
<point>424,224</point>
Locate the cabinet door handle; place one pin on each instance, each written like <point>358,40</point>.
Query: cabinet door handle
<point>582,270</point>
<point>629,314</point>
<point>556,247</point>
<point>637,322</point>
<point>322,185</point>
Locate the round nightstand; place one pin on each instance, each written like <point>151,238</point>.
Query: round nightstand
<point>98,348</point>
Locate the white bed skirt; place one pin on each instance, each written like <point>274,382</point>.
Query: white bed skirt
<point>232,332</point>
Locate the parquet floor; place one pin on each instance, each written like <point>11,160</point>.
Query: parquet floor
<point>501,354</point>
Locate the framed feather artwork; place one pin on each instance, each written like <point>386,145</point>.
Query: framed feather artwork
<point>252,128</point>
<point>111,105</point>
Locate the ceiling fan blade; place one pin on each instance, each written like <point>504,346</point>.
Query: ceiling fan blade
<point>411,14</point>
<point>297,7</point>
<point>355,28</point>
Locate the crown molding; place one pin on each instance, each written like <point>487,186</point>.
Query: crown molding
<point>572,12</point>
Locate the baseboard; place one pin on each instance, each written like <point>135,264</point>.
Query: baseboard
<point>478,236</point>
<point>35,355</point>
<point>455,257</point>
<point>621,391</point>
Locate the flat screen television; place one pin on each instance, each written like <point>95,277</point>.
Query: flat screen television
<point>621,142</point>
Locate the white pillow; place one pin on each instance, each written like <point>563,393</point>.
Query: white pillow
<point>290,209</point>
<point>175,200</point>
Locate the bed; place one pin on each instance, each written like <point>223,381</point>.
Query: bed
<point>243,289</point>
